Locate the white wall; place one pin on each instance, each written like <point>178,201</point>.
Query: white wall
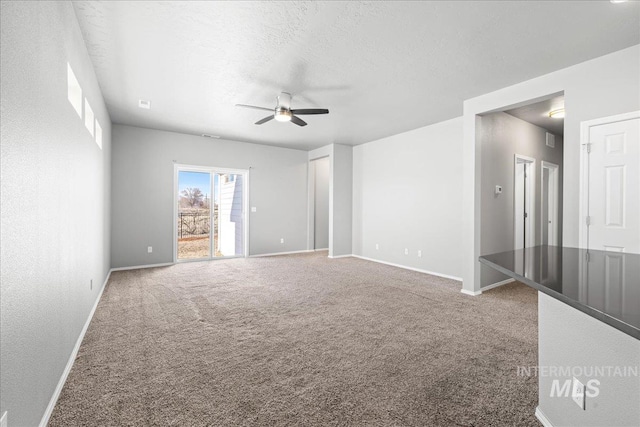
<point>142,184</point>
<point>601,87</point>
<point>407,194</point>
<point>503,136</point>
<point>322,170</point>
<point>55,204</point>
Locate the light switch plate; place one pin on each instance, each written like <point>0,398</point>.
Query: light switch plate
<point>578,393</point>
<point>254,209</point>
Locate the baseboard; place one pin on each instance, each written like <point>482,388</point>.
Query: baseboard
<point>282,253</point>
<point>495,285</point>
<point>486,288</point>
<point>419,270</point>
<point>321,249</point>
<point>138,267</point>
<point>72,358</point>
<point>340,256</point>
<point>542,418</point>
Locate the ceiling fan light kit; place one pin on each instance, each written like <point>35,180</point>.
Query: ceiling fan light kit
<point>282,114</point>
<point>283,111</point>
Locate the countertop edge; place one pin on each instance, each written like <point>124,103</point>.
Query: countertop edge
<point>599,315</point>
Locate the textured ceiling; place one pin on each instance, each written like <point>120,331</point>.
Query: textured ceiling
<point>381,68</point>
<point>538,114</point>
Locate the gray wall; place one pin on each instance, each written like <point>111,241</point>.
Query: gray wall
<point>340,158</point>
<point>54,237</point>
<point>321,169</point>
<point>407,194</point>
<point>341,201</point>
<point>502,137</point>
<point>142,184</point>
<point>570,338</point>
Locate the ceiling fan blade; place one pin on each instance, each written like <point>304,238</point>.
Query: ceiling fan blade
<point>298,121</point>
<point>254,107</point>
<point>311,111</point>
<point>265,120</point>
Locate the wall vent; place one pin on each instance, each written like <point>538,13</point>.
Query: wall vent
<point>551,140</point>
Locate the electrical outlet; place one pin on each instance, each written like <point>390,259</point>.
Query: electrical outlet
<point>149,249</point>
<point>377,246</point>
<point>419,254</point>
<point>406,251</point>
<point>3,419</point>
<point>578,393</point>
<point>282,240</point>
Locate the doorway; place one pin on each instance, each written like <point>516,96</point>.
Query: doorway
<point>523,200</point>
<point>549,191</point>
<point>321,169</point>
<point>209,219</point>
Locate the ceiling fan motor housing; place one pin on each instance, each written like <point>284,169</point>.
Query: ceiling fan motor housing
<point>284,100</point>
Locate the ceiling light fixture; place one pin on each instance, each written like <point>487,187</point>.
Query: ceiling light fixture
<point>557,114</point>
<point>282,114</point>
<point>144,104</point>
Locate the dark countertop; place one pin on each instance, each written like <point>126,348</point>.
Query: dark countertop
<point>602,284</point>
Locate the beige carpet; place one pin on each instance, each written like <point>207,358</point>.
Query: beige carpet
<point>302,340</point>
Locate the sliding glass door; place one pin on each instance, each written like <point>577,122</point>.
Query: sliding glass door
<point>210,213</point>
<point>194,215</point>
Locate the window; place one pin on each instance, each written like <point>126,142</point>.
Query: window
<point>98,134</point>
<point>88,117</point>
<point>74,91</point>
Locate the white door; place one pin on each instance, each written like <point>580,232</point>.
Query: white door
<point>523,201</point>
<point>614,186</point>
<point>549,220</point>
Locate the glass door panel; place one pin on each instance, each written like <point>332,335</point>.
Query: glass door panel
<point>229,215</point>
<point>194,215</point>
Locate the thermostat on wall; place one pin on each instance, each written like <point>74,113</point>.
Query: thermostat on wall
<point>498,189</point>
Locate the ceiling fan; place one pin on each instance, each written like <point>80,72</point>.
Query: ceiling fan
<point>283,111</point>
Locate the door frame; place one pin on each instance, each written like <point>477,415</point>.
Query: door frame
<point>531,201</point>
<point>245,203</point>
<point>556,198</point>
<point>585,131</point>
